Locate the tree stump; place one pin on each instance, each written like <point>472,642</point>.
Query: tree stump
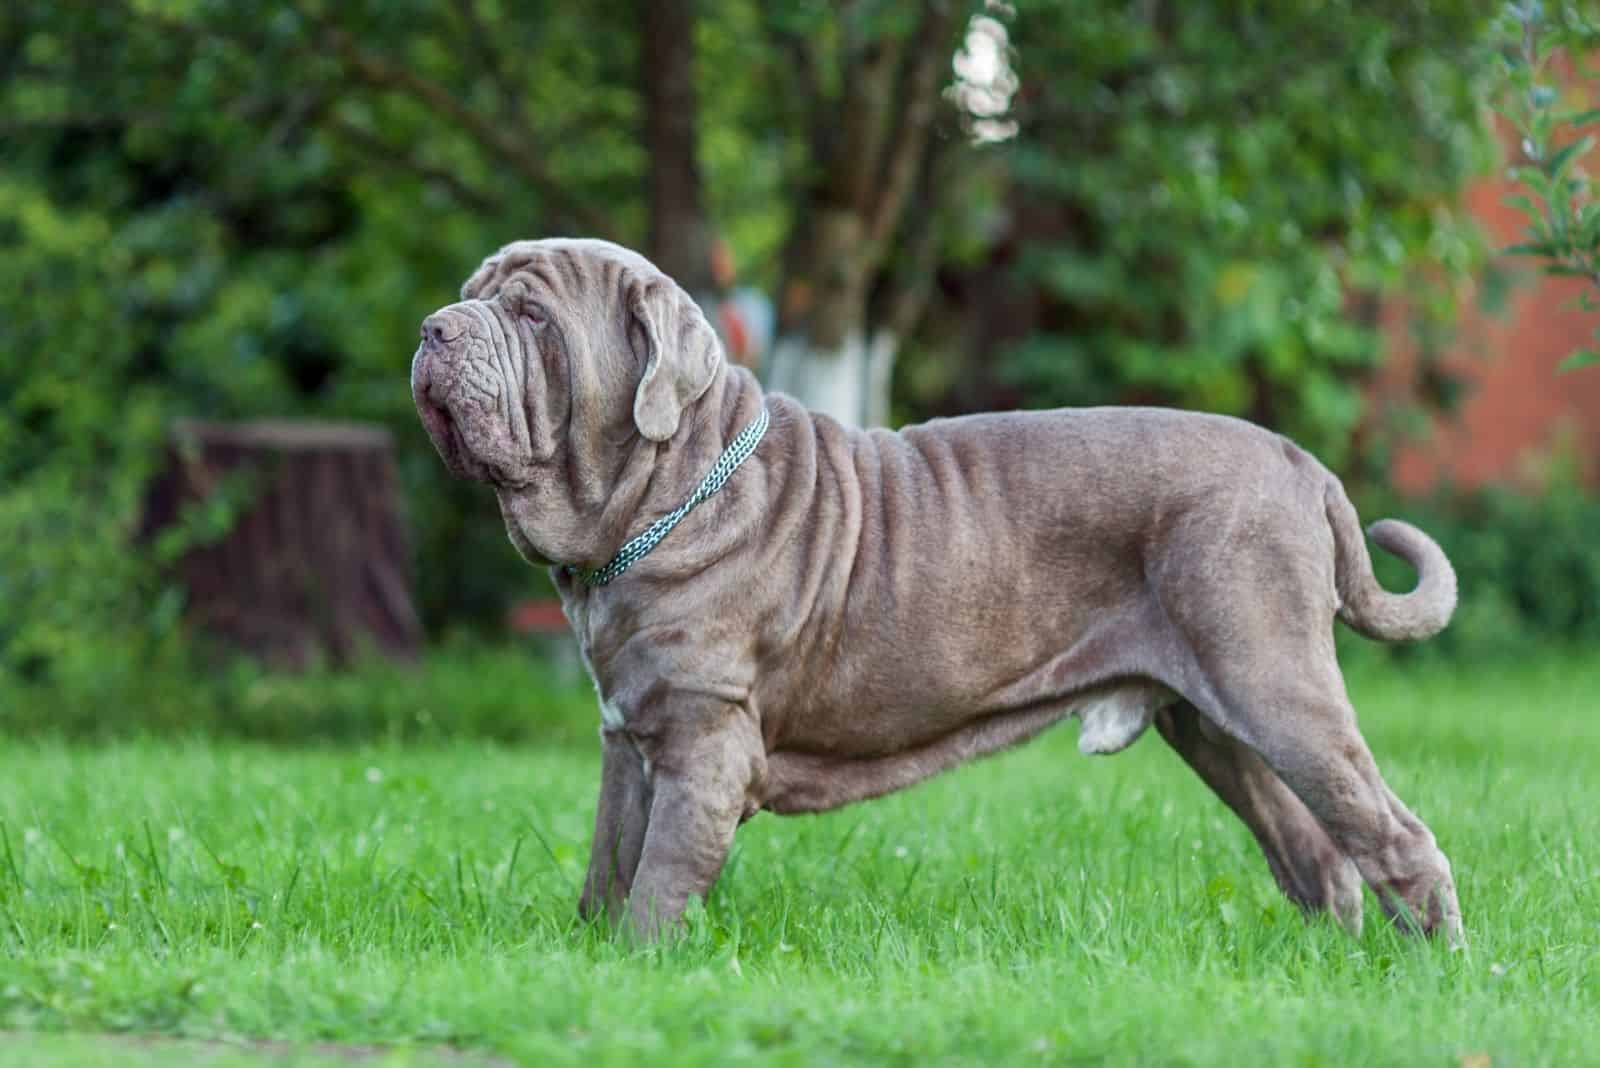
<point>288,539</point>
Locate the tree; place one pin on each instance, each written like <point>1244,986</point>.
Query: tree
<point>280,198</point>
<point>1561,205</point>
<point>243,211</point>
<point>1205,203</point>
<point>868,144</point>
<point>680,231</point>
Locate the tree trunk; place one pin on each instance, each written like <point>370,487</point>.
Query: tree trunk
<point>680,234</point>
<point>832,354</point>
<point>821,356</point>
<point>849,382</point>
<point>290,539</point>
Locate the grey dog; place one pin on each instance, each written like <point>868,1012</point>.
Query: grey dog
<point>783,613</point>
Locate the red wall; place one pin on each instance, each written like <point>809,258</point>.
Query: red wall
<point>1521,411</point>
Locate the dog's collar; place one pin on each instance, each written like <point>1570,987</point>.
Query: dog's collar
<point>636,548</point>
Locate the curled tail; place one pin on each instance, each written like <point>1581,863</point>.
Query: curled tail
<point>1367,606</point>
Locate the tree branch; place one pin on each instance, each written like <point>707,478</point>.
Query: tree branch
<point>483,40</point>
<point>910,285</point>
<point>930,55</point>
<point>374,147</point>
<point>863,119</point>
<point>680,232</point>
<point>80,120</point>
<point>799,93</point>
<point>378,73</point>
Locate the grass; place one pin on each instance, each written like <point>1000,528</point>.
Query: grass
<point>1037,907</point>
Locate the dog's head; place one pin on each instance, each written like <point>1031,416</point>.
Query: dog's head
<point>561,358</point>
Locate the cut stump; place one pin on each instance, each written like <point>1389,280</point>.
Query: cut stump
<point>290,539</point>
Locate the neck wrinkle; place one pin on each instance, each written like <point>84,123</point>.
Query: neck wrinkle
<point>658,477</point>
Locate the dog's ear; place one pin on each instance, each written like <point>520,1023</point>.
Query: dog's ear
<point>679,350</point>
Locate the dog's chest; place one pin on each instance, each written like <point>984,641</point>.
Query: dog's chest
<point>577,614</point>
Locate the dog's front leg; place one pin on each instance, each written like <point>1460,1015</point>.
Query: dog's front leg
<point>619,825</point>
<point>707,764</point>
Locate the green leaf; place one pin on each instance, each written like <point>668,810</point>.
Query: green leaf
<point>1531,248</point>
<point>1523,204</point>
<point>1534,178</point>
<point>1558,163</point>
<point>1584,358</point>
<point>1584,118</point>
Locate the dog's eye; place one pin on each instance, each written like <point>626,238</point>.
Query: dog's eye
<point>529,311</point>
<point>518,300</point>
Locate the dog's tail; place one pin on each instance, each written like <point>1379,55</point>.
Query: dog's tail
<point>1367,606</point>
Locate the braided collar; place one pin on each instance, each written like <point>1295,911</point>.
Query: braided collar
<point>737,452</point>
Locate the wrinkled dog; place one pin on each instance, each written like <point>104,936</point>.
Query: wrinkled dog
<point>781,613</point>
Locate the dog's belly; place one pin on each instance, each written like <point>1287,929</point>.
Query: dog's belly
<point>1113,718</point>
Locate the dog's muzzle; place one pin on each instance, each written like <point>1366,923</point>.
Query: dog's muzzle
<point>429,392</point>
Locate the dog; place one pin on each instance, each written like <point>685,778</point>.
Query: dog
<point>783,613</point>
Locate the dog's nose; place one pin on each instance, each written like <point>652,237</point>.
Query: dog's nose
<point>441,328</point>
<point>433,331</point>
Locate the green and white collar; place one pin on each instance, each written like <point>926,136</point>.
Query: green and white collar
<point>637,547</point>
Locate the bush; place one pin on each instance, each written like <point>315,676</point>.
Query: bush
<point>78,430</point>
<point>461,689</point>
<point>116,322</point>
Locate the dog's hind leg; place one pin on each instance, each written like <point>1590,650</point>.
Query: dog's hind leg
<point>1252,598</point>
<point>1309,868</point>
<point>1256,610</point>
<point>1289,705</point>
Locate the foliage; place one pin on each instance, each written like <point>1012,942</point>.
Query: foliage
<point>285,234</point>
<point>1038,906</point>
<point>1561,205</point>
<point>463,689</point>
<point>80,426</point>
<point>1208,225</point>
<point>197,234</point>
<point>212,210</point>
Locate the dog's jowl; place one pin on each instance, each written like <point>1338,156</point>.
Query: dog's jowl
<point>783,613</point>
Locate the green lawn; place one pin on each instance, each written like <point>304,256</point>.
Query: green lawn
<point>1040,906</point>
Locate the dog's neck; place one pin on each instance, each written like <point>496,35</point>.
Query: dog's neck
<point>654,479</point>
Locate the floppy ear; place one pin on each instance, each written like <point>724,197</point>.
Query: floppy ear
<point>681,354</point>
